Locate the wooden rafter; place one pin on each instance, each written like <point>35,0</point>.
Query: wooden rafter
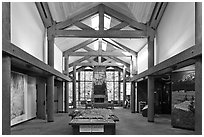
<point>111,57</point>
<point>101,33</point>
<point>83,26</point>
<point>120,61</point>
<point>98,64</point>
<point>79,61</point>
<point>157,14</point>
<point>134,24</point>
<point>120,46</point>
<point>114,32</point>
<point>45,13</point>
<point>94,53</point>
<point>79,46</point>
<point>79,17</point>
<point>119,26</point>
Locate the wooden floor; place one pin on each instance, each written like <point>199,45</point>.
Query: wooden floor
<point>129,124</point>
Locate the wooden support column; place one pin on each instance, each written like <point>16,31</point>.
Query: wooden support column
<point>50,80</point>
<point>150,99</point>
<point>50,99</point>
<point>119,87</point>
<point>150,80</point>
<point>66,94</point>
<point>79,93</point>
<point>6,95</point>
<point>132,104</point>
<point>113,86</point>
<point>198,70</point>
<point>74,87</point>
<point>6,71</point>
<point>124,85</point>
<point>60,96</point>
<point>41,98</point>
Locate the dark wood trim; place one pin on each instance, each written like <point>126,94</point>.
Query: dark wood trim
<point>172,62</point>
<point>101,33</point>
<point>16,52</point>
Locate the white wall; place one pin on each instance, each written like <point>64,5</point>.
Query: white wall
<point>142,59</point>
<point>27,30</point>
<point>176,31</point>
<point>58,59</point>
<point>31,97</point>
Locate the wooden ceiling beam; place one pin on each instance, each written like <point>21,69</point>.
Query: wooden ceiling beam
<point>157,14</point>
<point>94,53</point>
<point>120,61</point>
<point>45,13</point>
<point>98,64</point>
<point>101,33</point>
<point>79,17</point>
<point>111,57</point>
<point>79,61</point>
<point>119,26</point>
<point>121,46</point>
<point>83,26</point>
<point>121,17</point>
<point>79,46</point>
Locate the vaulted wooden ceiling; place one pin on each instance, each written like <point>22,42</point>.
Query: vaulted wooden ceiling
<point>81,48</point>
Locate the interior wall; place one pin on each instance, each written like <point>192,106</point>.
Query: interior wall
<point>31,97</point>
<point>176,31</point>
<point>27,30</point>
<point>57,58</point>
<point>143,59</point>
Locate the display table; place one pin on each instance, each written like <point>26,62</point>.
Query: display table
<point>94,121</point>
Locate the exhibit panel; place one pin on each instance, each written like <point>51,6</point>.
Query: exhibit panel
<point>23,97</point>
<point>183,99</point>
